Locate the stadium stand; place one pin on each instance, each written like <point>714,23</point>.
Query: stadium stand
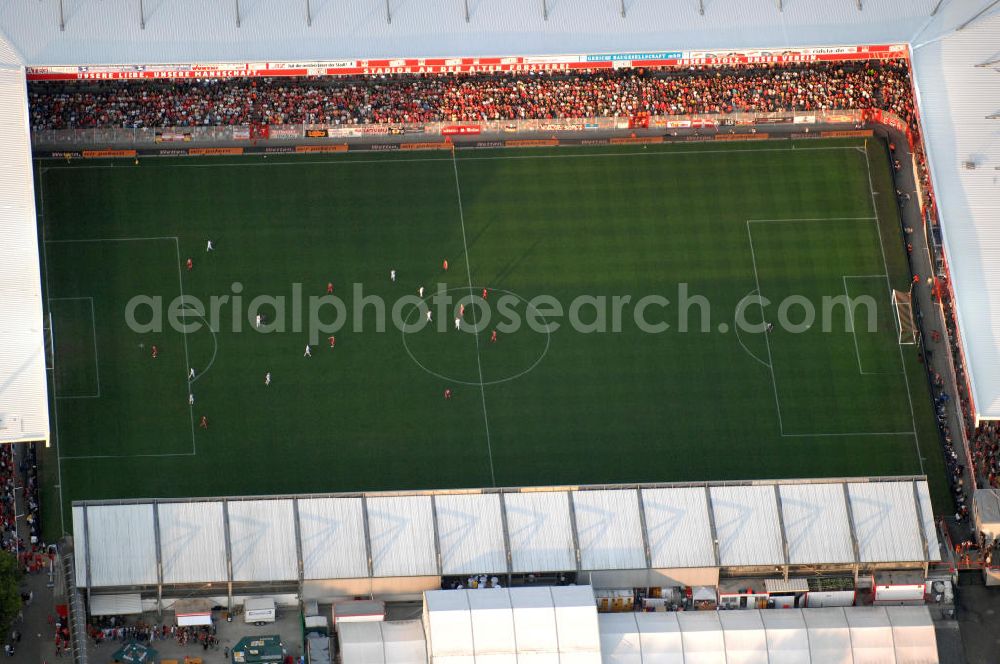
<point>881,84</point>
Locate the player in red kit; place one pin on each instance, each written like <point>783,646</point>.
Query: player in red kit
<point>333,342</point>
<point>447,393</point>
<point>329,288</point>
<point>156,351</point>
<point>493,337</point>
<point>485,293</point>
<point>445,265</point>
<point>190,264</point>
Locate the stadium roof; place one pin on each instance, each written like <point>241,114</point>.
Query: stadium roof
<point>23,382</point>
<point>279,30</point>
<point>958,81</point>
<point>429,534</point>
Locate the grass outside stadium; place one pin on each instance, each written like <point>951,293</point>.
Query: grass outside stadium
<point>748,220</point>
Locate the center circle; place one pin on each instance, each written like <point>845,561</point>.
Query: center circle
<point>459,381</point>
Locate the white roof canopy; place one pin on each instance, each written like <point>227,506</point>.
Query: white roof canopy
<point>958,101</point>
<point>24,405</point>
<point>427,534</point>
<point>276,30</point>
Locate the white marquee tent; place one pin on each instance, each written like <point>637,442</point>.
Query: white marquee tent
<point>501,626</point>
<point>390,642</point>
<point>851,635</point>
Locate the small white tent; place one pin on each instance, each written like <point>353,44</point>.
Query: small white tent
<point>396,642</point>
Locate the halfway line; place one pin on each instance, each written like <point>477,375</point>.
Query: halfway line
<point>475,322</point>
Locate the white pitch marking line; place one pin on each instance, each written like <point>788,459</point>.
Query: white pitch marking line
<point>348,161</point>
<point>468,271</point>
<point>767,342</point>
<point>113,239</point>
<point>850,316</point>
<point>885,264</point>
<point>97,362</point>
<point>187,360</point>
<point>55,402</point>
<point>736,328</point>
<point>770,221</point>
<point>864,433</point>
<point>850,319</point>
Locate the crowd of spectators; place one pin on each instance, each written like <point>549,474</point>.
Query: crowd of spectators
<point>116,628</point>
<point>407,98</point>
<point>15,476</point>
<point>985,444</point>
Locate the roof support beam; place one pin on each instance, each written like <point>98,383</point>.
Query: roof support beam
<point>368,536</point>
<point>298,545</point>
<point>989,63</point>
<point>86,544</point>
<point>545,9</point>
<point>711,523</point>
<point>388,12</point>
<point>642,526</point>
<point>437,536</point>
<point>309,14</point>
<point>229,554</point>
<point>62,28</point>
<point>978,14</point>
<point>142,15</point>
<point>576,534</point>
<point>937,7</point>
<point>781,527</point>
<point>237,13</point>
<point>858,2</point>
<point>159,558</point>
<point>920,520</point>
<point>701,7</point>
<point>854,531</point>
<point>506,536</point>
<point>466,10</point>
<point>623,8</point>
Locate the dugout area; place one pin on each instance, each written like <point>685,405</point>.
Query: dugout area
<point>812,218</point>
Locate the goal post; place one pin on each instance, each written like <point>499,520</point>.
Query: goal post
<point>905,325</point>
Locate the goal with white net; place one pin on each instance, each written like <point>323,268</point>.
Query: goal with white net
<point>905,325</point>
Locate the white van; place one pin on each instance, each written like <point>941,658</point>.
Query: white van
<point>259,611</point>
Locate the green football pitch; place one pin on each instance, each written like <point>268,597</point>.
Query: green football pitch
<point>599,232</point>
